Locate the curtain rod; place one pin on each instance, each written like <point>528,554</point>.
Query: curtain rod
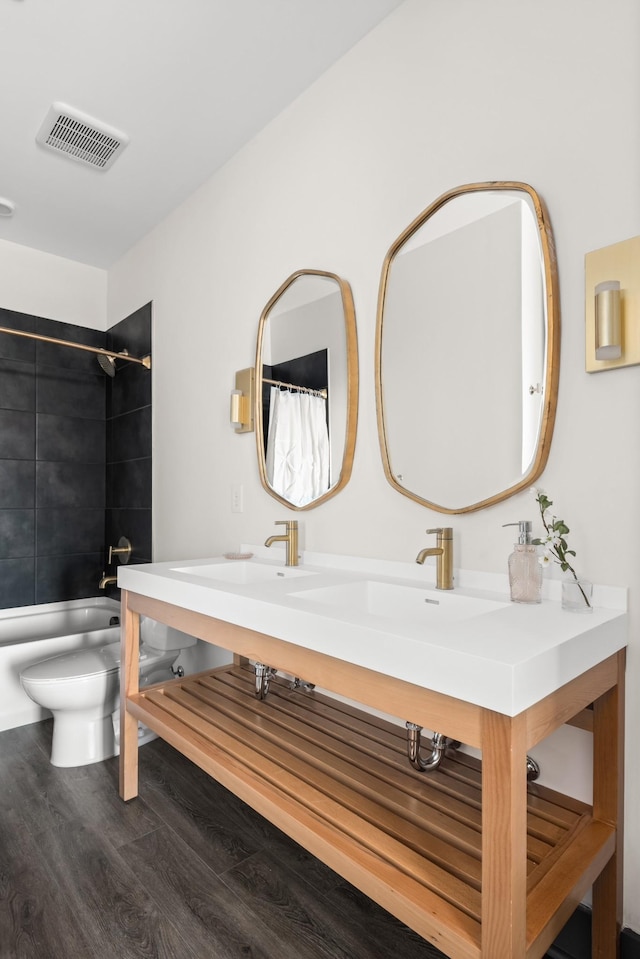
<point>144,361</point>
<point>301,389</point>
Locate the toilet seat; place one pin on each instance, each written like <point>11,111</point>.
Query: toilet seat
<point>77,665</point>
<point>81,664</point>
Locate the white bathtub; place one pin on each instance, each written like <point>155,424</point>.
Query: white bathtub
<point>30,634</point>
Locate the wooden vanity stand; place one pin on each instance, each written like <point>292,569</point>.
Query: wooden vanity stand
<point>474,859</point>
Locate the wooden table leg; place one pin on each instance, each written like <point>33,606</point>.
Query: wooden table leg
<point>504,837</point>
<point>129,681</point>
<point>608,806</point>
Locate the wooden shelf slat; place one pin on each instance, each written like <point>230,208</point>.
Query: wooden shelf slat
<point>454,792</point>
<point>460,803</point>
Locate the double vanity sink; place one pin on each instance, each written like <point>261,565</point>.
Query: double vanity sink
<point>470,642</point>
<point>471,857</point>
<point>392,600</point>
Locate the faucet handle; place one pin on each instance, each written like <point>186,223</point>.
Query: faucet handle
<point>446,532</point>
<point>122,551</point>
<point>289,523</point>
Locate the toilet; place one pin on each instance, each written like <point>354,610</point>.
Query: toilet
<point>81,689</point>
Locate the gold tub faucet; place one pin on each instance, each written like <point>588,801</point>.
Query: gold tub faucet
<point>443,551</point>
<point>290,537</point>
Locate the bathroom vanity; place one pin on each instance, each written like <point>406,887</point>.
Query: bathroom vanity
<point>473,857</point>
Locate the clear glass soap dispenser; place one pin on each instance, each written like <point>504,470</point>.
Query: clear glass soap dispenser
<point>525,572</point>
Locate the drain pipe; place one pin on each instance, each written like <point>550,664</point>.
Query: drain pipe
<point>533,769</point>
<point>438,743</point>
<point>263,675</point>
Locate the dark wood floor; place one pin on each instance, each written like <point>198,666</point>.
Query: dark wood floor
<point>186,871</point>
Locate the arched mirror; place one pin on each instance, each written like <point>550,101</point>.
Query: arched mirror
<point>307,389</point>
<point>467,348</point>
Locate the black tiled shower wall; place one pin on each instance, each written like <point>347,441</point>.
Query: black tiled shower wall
<point>128,475</point>
<point>62,500</point>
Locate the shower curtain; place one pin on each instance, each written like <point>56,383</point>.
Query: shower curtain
<point>297,459</point>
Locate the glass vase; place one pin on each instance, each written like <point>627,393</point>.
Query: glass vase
<point>577,595</point>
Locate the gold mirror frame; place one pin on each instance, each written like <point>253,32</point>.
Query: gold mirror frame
<point>351,412</point>
<point>552,346</point>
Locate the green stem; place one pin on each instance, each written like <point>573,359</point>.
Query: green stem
<point>579,585</point>
<point>561,559</point>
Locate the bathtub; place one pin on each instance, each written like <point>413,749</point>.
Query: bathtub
<point>30,634</point>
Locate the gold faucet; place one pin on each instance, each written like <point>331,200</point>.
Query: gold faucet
<point>290,538</point>
<point>443,550</point>
<point>107,581</point>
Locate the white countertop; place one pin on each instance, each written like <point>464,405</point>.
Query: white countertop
<point>505,659</point>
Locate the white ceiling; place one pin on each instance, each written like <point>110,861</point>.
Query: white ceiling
<point>189,82</point>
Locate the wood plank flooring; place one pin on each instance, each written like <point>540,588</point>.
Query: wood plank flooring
<point>186,871</point>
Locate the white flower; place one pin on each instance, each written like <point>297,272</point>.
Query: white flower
<point>544,560</point>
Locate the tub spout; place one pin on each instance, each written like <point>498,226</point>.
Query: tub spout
<point>107,581</point>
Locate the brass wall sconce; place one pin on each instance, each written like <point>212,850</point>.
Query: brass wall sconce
<point>608,331</point>
<point>612,306</point>
<point>242,401</point>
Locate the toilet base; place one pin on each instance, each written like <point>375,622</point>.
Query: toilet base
<point>91,742</point>
<point>79,743</point>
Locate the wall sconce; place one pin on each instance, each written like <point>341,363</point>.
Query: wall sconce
<point>608,331</point>
<point>242,401</point>
<point>612,306</point>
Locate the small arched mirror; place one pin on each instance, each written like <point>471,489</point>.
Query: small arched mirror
<point>467,348</point>
<point>307,389</point>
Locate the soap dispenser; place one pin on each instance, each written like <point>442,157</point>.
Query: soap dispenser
<point>525,572</point>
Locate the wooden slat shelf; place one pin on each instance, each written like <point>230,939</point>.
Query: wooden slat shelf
<point>337,779</point>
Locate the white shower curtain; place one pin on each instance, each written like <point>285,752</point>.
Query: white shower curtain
<point>297,459</point>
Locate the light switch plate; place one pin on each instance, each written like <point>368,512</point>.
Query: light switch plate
<point>237,498</point>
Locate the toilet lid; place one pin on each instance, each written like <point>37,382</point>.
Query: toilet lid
<point>75,665</point>
<point>82,663</point>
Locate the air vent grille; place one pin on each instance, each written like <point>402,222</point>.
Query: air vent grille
<point>81,137</point>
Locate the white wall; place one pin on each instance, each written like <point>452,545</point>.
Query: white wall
<point>439,95</point>
<point>52,286</point>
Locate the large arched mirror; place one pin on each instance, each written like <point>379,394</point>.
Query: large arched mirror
<point>307,389</point>
<point>467,348</point>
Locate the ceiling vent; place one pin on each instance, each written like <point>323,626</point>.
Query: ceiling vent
<point>81,137</point>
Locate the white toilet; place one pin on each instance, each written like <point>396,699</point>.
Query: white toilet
<point>81,689</point>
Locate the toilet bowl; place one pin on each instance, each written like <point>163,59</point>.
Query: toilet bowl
<point>81,689</point>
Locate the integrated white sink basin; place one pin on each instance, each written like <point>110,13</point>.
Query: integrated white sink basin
<point>470,642</point>
<point>413,604</point>
<point>243,573</point>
